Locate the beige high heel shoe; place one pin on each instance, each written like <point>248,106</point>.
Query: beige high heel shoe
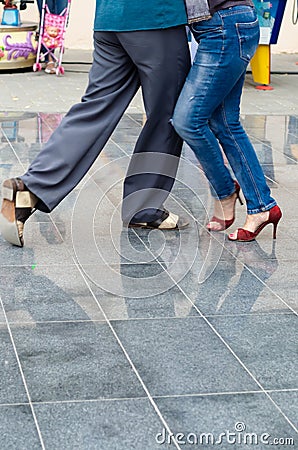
<point>17,206</point>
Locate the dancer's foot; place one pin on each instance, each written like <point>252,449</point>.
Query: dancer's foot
<point>255,223</point>
<point>168,221</point>
<point>224,211</point>
<point>17,206</point>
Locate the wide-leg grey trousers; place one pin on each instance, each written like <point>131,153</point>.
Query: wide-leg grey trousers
<point>156,60</point>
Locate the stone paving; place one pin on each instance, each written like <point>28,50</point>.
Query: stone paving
<point>116,339</point>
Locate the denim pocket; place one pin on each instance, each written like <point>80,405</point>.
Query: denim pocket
<point>248,35</point>
<point>206,26</point>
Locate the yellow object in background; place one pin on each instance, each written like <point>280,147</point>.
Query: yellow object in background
<point>260,65</point>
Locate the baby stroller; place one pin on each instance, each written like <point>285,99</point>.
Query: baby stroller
<point>51,36</point>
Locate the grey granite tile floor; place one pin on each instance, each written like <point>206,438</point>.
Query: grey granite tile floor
<point>128,339</point>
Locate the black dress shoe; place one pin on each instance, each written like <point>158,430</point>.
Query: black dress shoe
<point>168,221</point>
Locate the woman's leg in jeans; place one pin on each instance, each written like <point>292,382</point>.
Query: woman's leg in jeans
<point>209,81</point>
<point>242,158</point>
<point>218,69</point>
<point>225,124</point>
<point>203,91</point>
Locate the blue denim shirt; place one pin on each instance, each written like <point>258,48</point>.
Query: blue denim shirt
<point>132,15</point>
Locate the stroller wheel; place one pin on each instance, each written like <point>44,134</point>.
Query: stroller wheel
<point>59,70</point>
<point>36,67</point>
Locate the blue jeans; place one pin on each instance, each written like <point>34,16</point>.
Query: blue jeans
<point>208,109</point>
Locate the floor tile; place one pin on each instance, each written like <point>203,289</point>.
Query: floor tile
<point>111,151</point>
<point>224,420</point>
<point>125,247</point>
<point>12,388</point>
<point>62,214</point>
<point>41,293</point>
<point>230,288</point>
<point>141,264</point>
<point>17,428</point>
<point>96,208</point>
<point>43,245</point>
<point>171,303</point>
<point>74,361</point>
<point>267,345</point>
<point>284,283</point>
<point>288,403</point>
<point>176,356</point>
<point>130,280</point>
<point>287,175</point>
<point>193,200</point>
<point>145,246</point>
<point>2,316</point>
<point>108,425</point>
<point>264,250</point>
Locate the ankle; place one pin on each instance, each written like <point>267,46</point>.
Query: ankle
<point>253,221</point>
<point>225,207</point>
<point>259,217</point>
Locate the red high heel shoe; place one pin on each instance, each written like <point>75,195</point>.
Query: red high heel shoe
<point>243,235</point>
<point>224,224</point>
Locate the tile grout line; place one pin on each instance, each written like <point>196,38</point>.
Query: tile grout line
<point>13,150</point>
<point>271,290</point>
<point>149,319</point>
<point>150,398</point>
<point>173,396</point>
<point>214,394</point>
<point>23,377</point>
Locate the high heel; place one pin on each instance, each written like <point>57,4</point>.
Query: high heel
<point>17,206</point>
<point>224,224</point>
<point>243,235</point>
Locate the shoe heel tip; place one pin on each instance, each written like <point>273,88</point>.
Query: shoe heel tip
<point>7,193</point>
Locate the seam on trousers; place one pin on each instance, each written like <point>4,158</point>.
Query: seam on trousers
<point>242,155</point>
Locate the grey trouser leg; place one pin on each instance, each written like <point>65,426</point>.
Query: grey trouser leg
<point>120,65</point>
<point>162,73</point>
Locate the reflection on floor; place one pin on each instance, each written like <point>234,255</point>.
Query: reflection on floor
<point>117,339</point>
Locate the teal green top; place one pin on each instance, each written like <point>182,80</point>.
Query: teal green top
<point>132,15</point>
